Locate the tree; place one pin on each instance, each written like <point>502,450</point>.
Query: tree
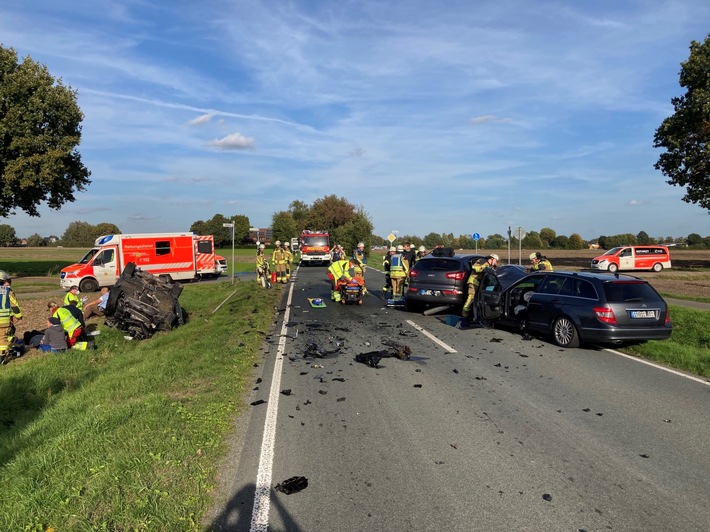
<point>496,241</point>
<point>685,135</point>
<point>694,240</point>
<point>560,242</point>
<point>241,228</point>
<point>328,213</point>
<point>575,242</point>
<point>78,235</point>
<point>431,240</point>
<point>105,228</point>
<point>532,240</point>
<point>40,128</point>
<point>643,238</point>
<point>8,237</point>
<point>547,236</point>
<point>283,227</point>
<point>36,241</point>
<point>358,229</point>
<point>299,210</point>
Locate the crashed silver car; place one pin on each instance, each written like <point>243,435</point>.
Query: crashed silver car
<point>142,304</point>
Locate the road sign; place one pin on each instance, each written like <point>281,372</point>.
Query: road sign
<point>391,238</point>
<point>476,236</point>
<point>520,233</point>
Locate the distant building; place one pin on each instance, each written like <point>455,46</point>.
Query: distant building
<point>262,235</point>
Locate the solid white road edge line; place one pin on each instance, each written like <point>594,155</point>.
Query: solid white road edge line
<point>431,337</point>
<point>262,502</point>
<point>658,366</point>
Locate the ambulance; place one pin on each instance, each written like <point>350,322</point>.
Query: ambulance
<point>173,256</point>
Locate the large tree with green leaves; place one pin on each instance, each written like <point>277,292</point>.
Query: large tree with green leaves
<point>283,226</point>
<point>40,129</point>
<point>8,237</point>
<point>685,135</point>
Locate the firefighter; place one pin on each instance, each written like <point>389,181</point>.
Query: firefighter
<point>360,259</point>
<point>262,267</point>
<point>340,271</point>
<point>278,260</point>
<point>289,259</point>
<point>539,263</point>
<point>72,324</point>
<point>10,313</point>
<point>421,253</point>
<point>386,263</point>
<point>399,269</point>
<point>477,271</point>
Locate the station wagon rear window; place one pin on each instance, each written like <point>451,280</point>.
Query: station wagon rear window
<point>626,291</point>
<point>438,265</point>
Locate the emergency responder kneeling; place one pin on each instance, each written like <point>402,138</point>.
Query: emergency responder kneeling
<point>340,272</point>
<point>477,271</point>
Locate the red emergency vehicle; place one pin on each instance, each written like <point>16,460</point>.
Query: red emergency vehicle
<point>171,255</point>
<point>315,247</point>
<point>209,265</point>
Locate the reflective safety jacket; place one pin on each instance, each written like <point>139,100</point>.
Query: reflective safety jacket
<point>399,267</point>
<point>542,265</point>
<point>278,256</point>
<point>340,269</point>
<point>8,305</point>
<point>73,298</point>
<point>68,321</point>
<point>477,270</point>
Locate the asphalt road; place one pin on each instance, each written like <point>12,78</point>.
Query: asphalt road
<point>478,430</point>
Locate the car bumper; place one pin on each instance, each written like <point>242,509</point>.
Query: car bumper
<point>416,297</point>
<point>613,335</point>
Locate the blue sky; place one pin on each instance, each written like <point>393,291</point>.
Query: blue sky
<point>454,117</point>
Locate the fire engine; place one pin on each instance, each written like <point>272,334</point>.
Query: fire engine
<point>315,247</point>
<point>173,256</point>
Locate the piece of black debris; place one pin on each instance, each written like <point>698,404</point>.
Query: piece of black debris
<point>255,388</point>
<point>496,339</point>
<point>527,337</point>
<point>586,409</point>
<point>600,414</point>
<point>323,392</point>
<point>438,462</point>
<point>371,359</point>
<point>304,373</point>
<point>522,355</point>
<point>547,497</point>
<point>667,421</point>
<point>417,385</point>
<point>258,381</point>
<point>644,456</point>
<point>292,485</point>
<point>307,402</point>
<point>455,370</point>
<point>499,365</point>
<point>340,399</point>
<point>255,365</point>
<point>256,403</point>
<point>286,391</point>
<point>313,350</point>
<point>339,379</point>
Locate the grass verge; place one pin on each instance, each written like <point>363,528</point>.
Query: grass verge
<point>687,349</point>
<point>127,437</point>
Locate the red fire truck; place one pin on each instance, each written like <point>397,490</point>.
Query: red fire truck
<point>171,255</point>
<point>315,247</point>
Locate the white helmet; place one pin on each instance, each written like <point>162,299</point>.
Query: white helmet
<point>278,242</point>
<point>392,248</point>
<point>287,244</point>
<point>400,248</point>
<point>360,245</point>
<point>422,248</point>
<point>533,256</point>
<point>262,246</point>
<point>493,256</point>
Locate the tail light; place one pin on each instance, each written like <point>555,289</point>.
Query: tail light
<point>413,273</point>
<point>605,314</point>
<point>668,316</point>
<point>459,276</point>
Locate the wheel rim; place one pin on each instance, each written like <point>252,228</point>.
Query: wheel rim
<point>564,331</point>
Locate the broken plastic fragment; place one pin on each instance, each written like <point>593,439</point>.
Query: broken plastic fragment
<point>292,485</point>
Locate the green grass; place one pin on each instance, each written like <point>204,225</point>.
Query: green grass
<point>687,349</point>
<point>685,298</point>
<point>127,437</point>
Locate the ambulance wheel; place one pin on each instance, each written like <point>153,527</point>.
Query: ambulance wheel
<point>613,268</point>
<point>88,285</point>
<point>657,267</point>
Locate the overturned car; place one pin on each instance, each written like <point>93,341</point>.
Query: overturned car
<point>141,303</point>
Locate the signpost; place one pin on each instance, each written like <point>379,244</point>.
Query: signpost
<point>520,232</point>
<point>231,224</point>
<point>476,237</point>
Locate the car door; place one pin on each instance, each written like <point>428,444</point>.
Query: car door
<point>488,297</point>
<point>544,304</point>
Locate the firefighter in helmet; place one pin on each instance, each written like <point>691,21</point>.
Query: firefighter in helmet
<point>477,271</point>
<point>278,260</point>
<point>289,259</point>
<point>538,262</point>
<point>262,266</point>
<point>360,259</point>
<point>399,270</point>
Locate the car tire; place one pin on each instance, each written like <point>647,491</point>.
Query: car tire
<point>565,333</point>
<point>88,285</point>
<point>657,267</point>
<point>613,268</point>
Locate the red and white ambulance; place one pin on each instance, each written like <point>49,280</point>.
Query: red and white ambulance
<point>170,255</point>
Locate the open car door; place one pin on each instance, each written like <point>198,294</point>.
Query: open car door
<point>488,297</point>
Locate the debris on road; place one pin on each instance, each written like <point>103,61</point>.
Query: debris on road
<point>313,350</point>
<point>292,485</point>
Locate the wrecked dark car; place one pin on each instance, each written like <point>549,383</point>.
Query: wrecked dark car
<point>142,304</point>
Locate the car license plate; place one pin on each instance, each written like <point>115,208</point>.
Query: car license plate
<point>429,292</point>
<point>636,314</point>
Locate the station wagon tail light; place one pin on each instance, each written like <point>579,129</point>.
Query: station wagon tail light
<point>605,314</point>
<point>413,273</point>
<point>668,316</point>
<point>456,275</point>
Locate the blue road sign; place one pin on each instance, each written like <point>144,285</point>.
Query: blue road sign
<point>476,236</point>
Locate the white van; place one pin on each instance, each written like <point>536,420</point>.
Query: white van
<point>633,258</point>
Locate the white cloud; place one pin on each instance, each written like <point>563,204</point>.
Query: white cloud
<point>234,141</point>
